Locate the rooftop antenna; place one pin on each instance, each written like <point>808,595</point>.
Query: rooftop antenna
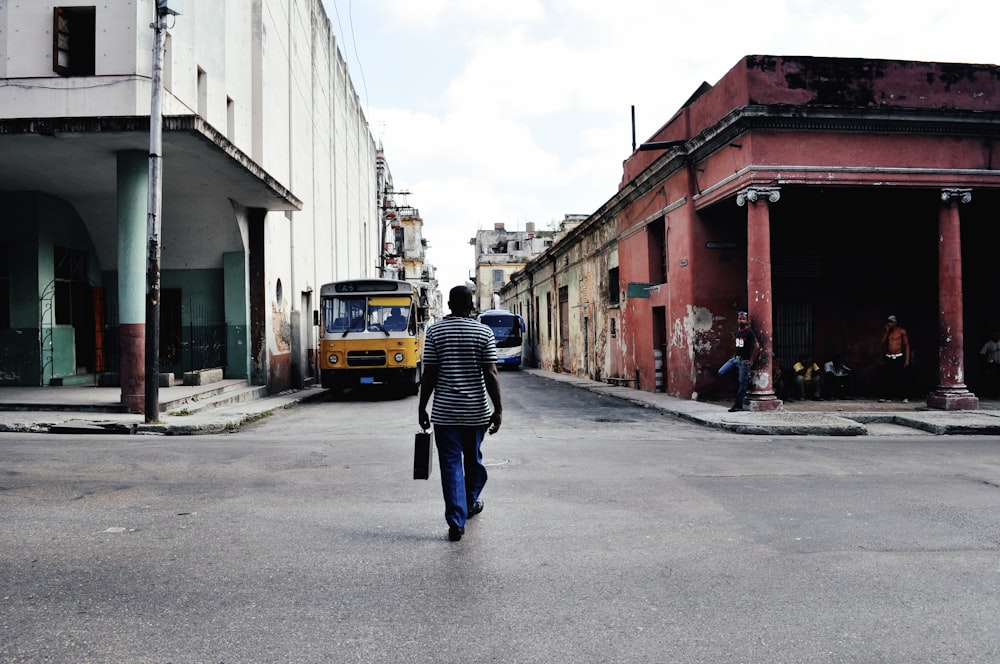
<point>633,127</point>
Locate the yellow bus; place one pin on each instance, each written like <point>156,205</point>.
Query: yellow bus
<point>371,333</point>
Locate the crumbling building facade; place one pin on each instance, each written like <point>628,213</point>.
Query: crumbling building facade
<point>820,194</point>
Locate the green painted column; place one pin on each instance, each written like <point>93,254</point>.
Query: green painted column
<point>132,193</point>
<point>236,287</point>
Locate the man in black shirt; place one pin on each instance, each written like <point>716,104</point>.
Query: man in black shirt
<point>747,348</point>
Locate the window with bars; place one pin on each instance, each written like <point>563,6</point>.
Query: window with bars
<point>70,273</point>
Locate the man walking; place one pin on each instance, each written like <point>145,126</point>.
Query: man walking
<point>747,348</point>
<point>990,353</point>
<point>460,368</point>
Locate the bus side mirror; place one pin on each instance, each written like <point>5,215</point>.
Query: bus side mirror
<point>316,317</point>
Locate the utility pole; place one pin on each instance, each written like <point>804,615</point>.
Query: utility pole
<point>390,214</point>
<point>154,206</point>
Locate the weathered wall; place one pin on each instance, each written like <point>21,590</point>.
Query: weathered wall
<point>816,83</point>
<point>579,262</point>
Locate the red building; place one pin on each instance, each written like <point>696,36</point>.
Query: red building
<point>820,194</point>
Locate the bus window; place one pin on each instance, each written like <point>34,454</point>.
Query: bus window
<point>389,313</point>
<point>396,320</point>
<point>341,314</point>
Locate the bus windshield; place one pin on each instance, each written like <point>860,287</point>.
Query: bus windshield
<point>506,328</point>
<point>372,314</point>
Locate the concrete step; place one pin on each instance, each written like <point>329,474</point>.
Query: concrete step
<point>64,406</point>
<point>76,427</point>
<point>227,395</point>
<point>78,379</point>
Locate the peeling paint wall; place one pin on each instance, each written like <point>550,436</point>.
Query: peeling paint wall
<point>695,334</point>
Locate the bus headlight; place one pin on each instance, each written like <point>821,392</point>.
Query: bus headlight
<point>334,358</point>
<point>399,357</point>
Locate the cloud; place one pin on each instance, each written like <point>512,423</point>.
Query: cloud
<point>491,150</point>
<point>436,14</point>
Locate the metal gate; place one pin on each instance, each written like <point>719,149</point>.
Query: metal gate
<point>793,333</point>
<point>202,343</point>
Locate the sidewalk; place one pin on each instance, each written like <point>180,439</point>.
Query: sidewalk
<point>226,405</point>
<point>198,409</point>
<point>808,418</point>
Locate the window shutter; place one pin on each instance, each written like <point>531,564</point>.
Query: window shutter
<point>60,41</point>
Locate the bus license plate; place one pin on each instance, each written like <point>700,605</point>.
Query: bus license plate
<point>367,380</point>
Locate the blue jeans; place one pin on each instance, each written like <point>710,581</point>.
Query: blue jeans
<point>744,376</point>
<point>463,474</point>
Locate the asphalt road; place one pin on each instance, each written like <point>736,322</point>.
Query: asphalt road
<point>612,533</point>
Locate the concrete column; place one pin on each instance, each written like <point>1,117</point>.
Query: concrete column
<point>761,395</point>
<point>951,393</point>
<point>132,194</point>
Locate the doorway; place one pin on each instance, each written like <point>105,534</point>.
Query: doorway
<point>563,327</point>
<point>74,305</point>
<point>660,347</point>
<point>793,336</point>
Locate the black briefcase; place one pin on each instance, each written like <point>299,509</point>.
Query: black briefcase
<point>423,441</point>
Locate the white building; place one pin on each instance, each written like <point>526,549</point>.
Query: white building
<point>269,188</point>
<point>499,253</point>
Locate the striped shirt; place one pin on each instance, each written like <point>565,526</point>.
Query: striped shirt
<point>460,347</point>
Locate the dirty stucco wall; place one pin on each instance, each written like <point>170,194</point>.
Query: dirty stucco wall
<point>590,253</point>
<point>577,343</point>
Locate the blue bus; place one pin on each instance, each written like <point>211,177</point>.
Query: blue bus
<point>508,329</point>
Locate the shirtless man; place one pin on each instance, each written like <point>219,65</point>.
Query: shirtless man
<point>896,346</point>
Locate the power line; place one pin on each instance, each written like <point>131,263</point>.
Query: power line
<point>354,46</point>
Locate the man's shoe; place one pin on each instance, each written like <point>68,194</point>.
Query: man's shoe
<point>455,533</point>
<point>735,409</point>
<point>476,508</point>
<point>906,401</point>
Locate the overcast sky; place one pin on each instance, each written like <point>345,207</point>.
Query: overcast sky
<point>519,111</point>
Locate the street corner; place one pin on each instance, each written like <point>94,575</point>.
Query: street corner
<point>787,424</point>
